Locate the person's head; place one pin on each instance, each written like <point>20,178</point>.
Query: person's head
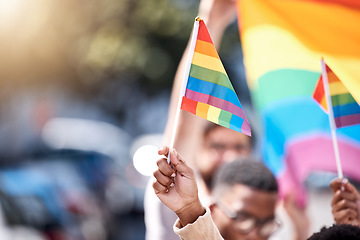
<point>244,195</point>
<point>220,145</point>
<point>337,232</point>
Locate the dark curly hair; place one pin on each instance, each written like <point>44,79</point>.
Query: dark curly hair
<point>337,232</point>
<point>247,171</point>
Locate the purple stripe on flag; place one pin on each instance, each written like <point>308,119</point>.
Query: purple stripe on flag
<point>245,128</point>
<point>216,102</point>
<point>347,120</point>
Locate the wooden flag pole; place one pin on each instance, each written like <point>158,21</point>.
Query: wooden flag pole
<point>331,118</point>
<point>184,83</point>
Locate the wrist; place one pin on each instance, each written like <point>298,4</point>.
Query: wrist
<point>190,213</point>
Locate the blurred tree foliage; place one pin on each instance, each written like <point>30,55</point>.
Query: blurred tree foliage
<point>114,54</point>
<point>86,42</point>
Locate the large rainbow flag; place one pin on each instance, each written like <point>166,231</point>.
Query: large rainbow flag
<point>209,93</point>
<point>283,42</point>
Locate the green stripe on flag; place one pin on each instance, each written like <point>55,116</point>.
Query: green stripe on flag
<point>224,118</point>
<point>342,99</point>
<point>210,76</point>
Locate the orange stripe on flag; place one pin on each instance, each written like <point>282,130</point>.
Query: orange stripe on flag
<point>206,48</point>
<point>331,75</point>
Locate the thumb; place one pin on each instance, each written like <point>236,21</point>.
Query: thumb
<point>337,183</point>
<point>179,164</point>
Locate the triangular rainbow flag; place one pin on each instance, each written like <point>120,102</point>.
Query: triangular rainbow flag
<point>208,92</point>
<point>345,109</point>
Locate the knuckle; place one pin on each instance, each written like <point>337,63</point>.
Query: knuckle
<point>156,174</point>
<point>343,203</point>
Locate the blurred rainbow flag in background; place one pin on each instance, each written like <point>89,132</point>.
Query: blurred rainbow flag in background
<point>209,93</point>
<point>283,42</point>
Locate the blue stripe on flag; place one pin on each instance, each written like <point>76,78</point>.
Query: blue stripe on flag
<point>212,89</point>
<point>348,109</point>
<point>236,122</point>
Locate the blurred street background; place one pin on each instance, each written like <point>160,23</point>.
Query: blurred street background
<point>83,85</point>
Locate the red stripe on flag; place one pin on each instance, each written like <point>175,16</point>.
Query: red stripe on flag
<point>319,92</point>
<point>203,33</point>
<point>189,105</point>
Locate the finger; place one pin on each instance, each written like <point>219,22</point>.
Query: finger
<point>350,196</point>
<point>180,165</point>
<point>344,216</point>
<point>165,168</point>
<point>163,150</point>
<point>336,198</point>
<point>342,195</point>
<point>336,184</point>
<point>159,188</point>
<point>340,198</point>
<point>162,179</point>
<point>344,204</point>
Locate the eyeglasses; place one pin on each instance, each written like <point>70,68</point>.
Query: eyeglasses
<point>245,223</point>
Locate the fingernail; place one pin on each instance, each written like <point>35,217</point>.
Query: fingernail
<point>173,174</point>
<point>172,184</point>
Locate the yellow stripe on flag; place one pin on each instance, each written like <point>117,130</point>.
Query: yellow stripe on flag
<point>208,62</point>
<point>337,88</point>
<point>213,114</point>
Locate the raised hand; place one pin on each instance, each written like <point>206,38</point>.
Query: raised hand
<point>176,187</point>
<point>345,203</point>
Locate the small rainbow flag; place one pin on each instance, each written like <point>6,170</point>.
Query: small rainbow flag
<point>209,93</point>
<point>345,109</point>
